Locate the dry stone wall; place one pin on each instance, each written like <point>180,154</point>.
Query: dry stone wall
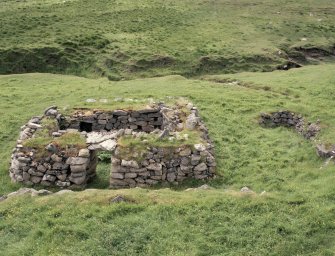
<point>292,120</point>
<point>73,166</point>
<point>146,120</point>
<point>307,129</point>
<point>163,165</point>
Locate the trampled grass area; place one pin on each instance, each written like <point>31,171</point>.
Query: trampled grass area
<point>294,217</point>
<point>130,39</point>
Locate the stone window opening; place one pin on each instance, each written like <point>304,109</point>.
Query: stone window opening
<point>85,127</point>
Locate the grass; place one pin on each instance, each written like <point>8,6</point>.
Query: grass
<point>69,142</point>
<point>126,40</point>
<point>136,148</point>
<point>295,217</point>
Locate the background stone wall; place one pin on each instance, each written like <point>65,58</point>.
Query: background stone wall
<point>145,120</point>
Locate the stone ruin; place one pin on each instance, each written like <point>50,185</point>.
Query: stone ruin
<point>293,120</point>
<point>163,145</point>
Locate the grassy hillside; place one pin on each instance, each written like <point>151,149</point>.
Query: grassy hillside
<point>294,217</point>
<point>129,39</point>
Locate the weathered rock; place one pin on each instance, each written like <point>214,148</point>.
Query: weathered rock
<point>185,152</point>
<point>200,147</point>
<point>131,163</point>
<point>155,167</point>
<point>35,179</point>
<point>84,153</point>
<point>78,168</point>
<point>56,158</point>
<point>192,121</point>
<point>42,192</point>
<point>200,167</point>
<point>118,199</point>
<point>77,161</point>
<point>117,175</point>
<point>246,190</point>
<point>108,145</point>
<point>78,180</point>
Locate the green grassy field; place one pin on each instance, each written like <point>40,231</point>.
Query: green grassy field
<point>294,217</point>
<point>130,39</point>
<point>210,52</point>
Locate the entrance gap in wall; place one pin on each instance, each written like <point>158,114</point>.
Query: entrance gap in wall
<point>101,180</point>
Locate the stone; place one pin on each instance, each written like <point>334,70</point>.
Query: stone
<point>62,177</point>
<point>35,179</point>
<point>42,192</point>
<point>97,137</point>
<point>323,152</point>
<point>246,190</point>
<point>204,187</point>
<point>48,177</point>
<point>57,166</point>
<point>3,197</point>
<point>120,113</point>
<point>78,180</point>
<point>151,182</point>
<point>77,161</point>
<point>78,168</point>
<point>108,145</point>
<point>24,159</point>
<point>51,111</point>
<point>26,176</point>
<point>34,126</point>
<point>164,134</point>
<point>200,167</point>
<point>118,199</point>
<point>46,183</point>
<point>84,153</point>
<point>200,147</point>
<point>130,175</point>
<point>56,134</point>
<point>63,184</point>
<point>51,148</point>
<point>41,168</point>
<point>56,158</point>
<point>171,177</point>
<point>155,167</point>
<point>131,163</point>
<point>185,161</point>
<point>191,121</point>
<point>117,175</point>
<point>21,191</point>
<point>185,152</point>
<point>117,182</point>
<point>200,176</point>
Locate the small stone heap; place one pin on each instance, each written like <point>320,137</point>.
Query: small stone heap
<point>289,119</point>
<point>72,166</point>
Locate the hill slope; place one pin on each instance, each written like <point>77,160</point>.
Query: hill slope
<point>127,39</point>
